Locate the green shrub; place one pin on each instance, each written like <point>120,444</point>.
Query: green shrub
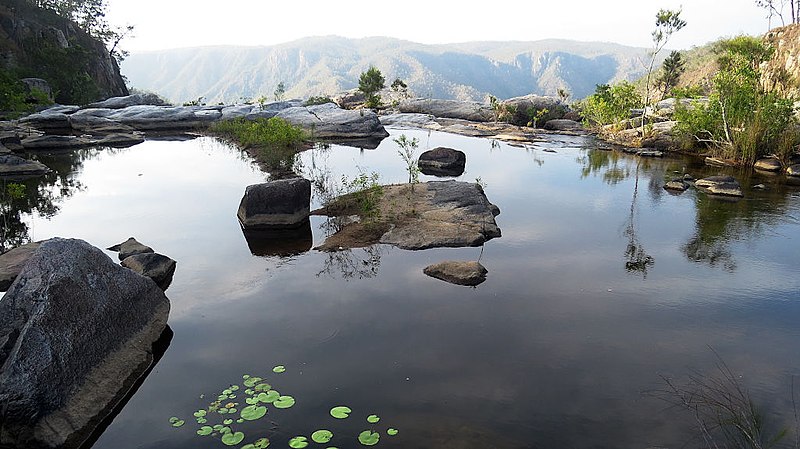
<point>610,104</point>
<point>12,94</point>
<point>275,141</point>
<point>312,101</point>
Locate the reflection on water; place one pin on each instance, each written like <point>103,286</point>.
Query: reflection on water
<point>280,242</point>
<point>555,348</point>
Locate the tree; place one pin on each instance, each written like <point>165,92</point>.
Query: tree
<point>280,91</point>
<point>667,23</point>
<point>775,8</point>
<point>370,82</point>
<point>671,72</point>
<point>398,85</point>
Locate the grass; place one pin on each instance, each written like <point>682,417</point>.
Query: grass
<point>274,142</point>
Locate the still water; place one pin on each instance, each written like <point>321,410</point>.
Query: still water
<point>602,284</point>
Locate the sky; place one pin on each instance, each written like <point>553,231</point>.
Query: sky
<point>165,24</point>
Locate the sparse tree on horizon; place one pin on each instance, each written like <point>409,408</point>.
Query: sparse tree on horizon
<point>668,22</point>
<point>280,91</point>
<point>370,82</point>
<point>671,72</point>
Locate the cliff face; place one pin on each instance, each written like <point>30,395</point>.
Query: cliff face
<point>40,44</point>
<point>782,73</point>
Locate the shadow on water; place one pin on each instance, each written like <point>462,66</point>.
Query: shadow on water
<point>280,242</point>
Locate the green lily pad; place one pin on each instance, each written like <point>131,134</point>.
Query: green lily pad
<point>176,422</point>
<point>232,410</point>
<point>252,381</point>
<point>225,430</point>
<point>234,388</point>
<point>373,419</point>
<point>205,430</point>
<point>268,397</point>
<point>284,402</point>
<point>227,392</point>
<point>222,411</point>
<point>392,431</point>
<point>232,438</point>
<point>251,401</point>
<point>253,412</point>
<point>240,420</point>
<point>298,442</point>
<point>200,413</point>
<point>263,387</point>
<point>222,397</point>
<point>368,438</point>
<point>227,422</point>
<point>249,391</point>
<point>201,420</point>
<point>261,443</point>
<point>341,412</point>
<point>322,436</point>
<point>218,427</point>
<point>279,369</point>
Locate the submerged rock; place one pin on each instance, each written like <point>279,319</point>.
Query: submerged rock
<point>457,272</point>
<point>442,161</point>
<point>676,185</point>
<point>768,164</point>
<point>281,204</point>
<point>129,248</point>
<point>76,332</point>
<point>11,165</point>
<point>157,267</point>
<point>12,261</point>
<point>720,185</point>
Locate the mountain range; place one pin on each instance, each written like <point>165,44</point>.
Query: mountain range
<point>322,66</point>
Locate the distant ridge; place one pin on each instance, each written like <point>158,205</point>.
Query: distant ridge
<point>329,64</point>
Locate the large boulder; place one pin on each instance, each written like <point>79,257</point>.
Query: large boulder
<point>12,166</point>
<point>457,272</point>
<point>158,118</point>
<point>465,110</point>
<point>281,204</point>
<point>47,121</point>
<point>12,261</point>
<point>76,332</point>
<point>720,185</point>
<point>329,121</point>
<point>157,267</point>
<point>130,100</point>
<point>522,110</point>
<point>442,161</point>
<point>768,164</point>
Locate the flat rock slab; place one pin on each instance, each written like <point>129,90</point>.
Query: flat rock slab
<point>720,185</point>
<point>329,121</point>
<point>435,214</point>
<point>768,164</point>
<point>157,267</point>
<point>129,248</point>
<point>11,165</point>
<point>76,332</point>
<point>465,110</point>
<point>470,273</point>
<point>563,125</point>
<point>12,262</point>
<point>676,185</point>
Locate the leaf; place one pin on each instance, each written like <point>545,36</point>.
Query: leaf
<point>279,369</point>
<point>200,413</point>
<point>232,438</point>
<point>322,436</point>
<point>253,412</point>
<point>298,442</point>
<point>261,443</point>
<point>392,431</point>
<point>341,412</point>
<point>263,387</point>
<point>177,422</point>
<point>268,397</point>
<point>284,402</point>
<point>373,419</point>
<point>227,422</point>
<point>368,438</point>
<point>252,381</point>
<point>251,401</point>
<point>234,388</point>
<point>205,430</point>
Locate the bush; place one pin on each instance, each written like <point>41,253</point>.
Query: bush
<point>276,142</point>
<point>370,82</point>
<point>610,104</point>
<point>312,101</point>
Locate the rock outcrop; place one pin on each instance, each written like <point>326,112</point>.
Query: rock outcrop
<point>76,332</point>
<point>464,110</point>
<point>281,204</point>
<point>768,164</point>
<point>12,261</point>
<point>720,185</point>
<point>562,125</point>
<point>129,248</point>
<point>523,110</point>
<point>457,272</point>
<point>329,121</point>
<point>15,166</point>
<point>442,161</point>
<point>793,170</point>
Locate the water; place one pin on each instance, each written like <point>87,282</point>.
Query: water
<point>601,284</point>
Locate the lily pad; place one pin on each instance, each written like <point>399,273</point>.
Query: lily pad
<point>322,436</point>
<point>227,422</point>
<point>218,427</point>
<point>279,369</point>
<point>263,387</point>
<point>240,420</point>
<point>253,412</point>
<point>251,401</point>
<point>284,402</point>
<point>258,444</point>
<point>201,420</point>
<point>176,422</point>
<point>232,438</point>
<point>298,442</point>
<point>341,412</point>
<point>249,391</point>
<point>205,430</point>
<point>373,419</point>
<point>224,430</point>
<point>252,381</point>
<point>392,431</point>
<point>234,388</point>
<point>200,413</point>
<point>368,438</point>
<point>268,397</point>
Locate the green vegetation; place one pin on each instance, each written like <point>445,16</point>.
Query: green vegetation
<point>15,100</point>
<point>275,141</point>
<point>671,72</point>
<point>312,101</point>
<point>609,104</point>
<point>65,69</point>
<point>742,120</point>
<point>280,91</point>
<point>406,151</point>
<point>371,82</point>
<point>668,22</point>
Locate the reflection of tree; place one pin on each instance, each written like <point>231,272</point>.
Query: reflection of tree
<point>362,263</point>
<point>596,160</point>
<point>637,259</point>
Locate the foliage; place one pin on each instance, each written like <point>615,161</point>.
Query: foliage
<point>406,152</point>
<point>370,82</point>
<point>668,22</point>
<point>399,85</point>
<point>275,140</point>
<point>563,94</point>
<point>13,98</point>
<point>502,112</point>
<point>610,104</point>
<point>317,100</point>
<point>775,8</point>
<point>366,192</point>
<point>534,115</point>
<point>742,120</point>
<point>693,91</point>
<point>66,70</point>
<point>671,71</point>
<point>200,101</point>
<point>280,91</point>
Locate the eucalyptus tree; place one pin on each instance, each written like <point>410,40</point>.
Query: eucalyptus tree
<point>668,22</point>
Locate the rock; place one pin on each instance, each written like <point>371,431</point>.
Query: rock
<point>49,122</point>
<point>64,365</point>
<point>563,125</point>
<point>329,121</point>
<point>49,142</point>
<point>349,99</point>
<point>129,248</point>
<point>676,185</point>
<point>650,153</point>
<point>159,118</point>
<point>759,187</point>
<point>661,137</point>
<point>12,261</point>
<point>97,125</point>
<point>157,267</point>
<point>793,170</point>
<point>768,164</point>
<point>130,100</point>
<point>62,109</point>
<point>529,106</point>
<point>717,162</point>
<point>459,273</point>
<point>688,177</point>
<point>281,204</point>
<point>720,185</point>
<point>39,85</point>
<point>401,120</point>
<point>667,106</point>
<point>465,110</point>
<point>11,141</point>
<point>442,161</point>
<point>11,165</point>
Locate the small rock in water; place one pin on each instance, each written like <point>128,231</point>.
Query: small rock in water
<point>458,272</point>
<point>676,185</point>
<point>129,248</point>
<point>760,187</point>
<point>156,266</point>
<point>720,185</point>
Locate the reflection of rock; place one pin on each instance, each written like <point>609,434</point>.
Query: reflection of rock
<point>720,185</point>
<point>129,248</point>
<point>64,368</point>
<point>768,164</point>
<point>285,203</point>
<point>649,153</point>
<point>442,161</point>
<point>157,267</point>
<point>676,185</point>
<point>11,165</point>
<point>12,261</point>
<point>279,242</point>
<point>47,142</point>
<point>459,273</point>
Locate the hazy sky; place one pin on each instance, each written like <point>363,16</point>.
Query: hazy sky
<point>162,24</point>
